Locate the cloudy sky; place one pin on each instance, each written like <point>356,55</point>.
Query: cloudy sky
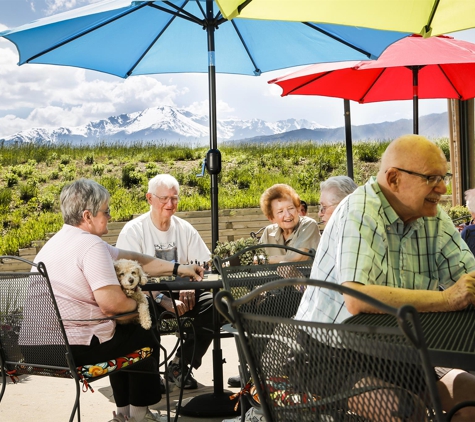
<point>51,96</point>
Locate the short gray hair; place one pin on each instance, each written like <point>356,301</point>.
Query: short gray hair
<point>470,199</point>
<point>340,187</point>
<point>83,194</point>
<point>163,180</point>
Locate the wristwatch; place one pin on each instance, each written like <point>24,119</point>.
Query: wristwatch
<point>175,268</point>
<point>159,298</point>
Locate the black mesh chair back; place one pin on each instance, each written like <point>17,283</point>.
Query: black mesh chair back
<point>308,371</point>
<point>33,340</point>
<point>29,316</point>
<point>242,279</point>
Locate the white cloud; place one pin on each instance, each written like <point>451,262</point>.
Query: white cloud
<point>11,124</point>
<point>65,96</point>
<point>55,6</point>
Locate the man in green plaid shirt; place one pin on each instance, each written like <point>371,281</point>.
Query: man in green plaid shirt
<point>391,240</point>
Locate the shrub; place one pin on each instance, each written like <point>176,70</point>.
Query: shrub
<point>65,159</point>
<point>89,159</point>
<point>54,175</point>
<point>369,152</point>
<point>69,173</point>
<point>5,197</point>
<point>444,145</point>
<point>47,202</point>
<point>28,191</point>
<point>458,211</point>
<point>11,179</point>
<point>23,170</point>
<point>131,177</point>
<point>98,169</point>
<point>110,183</point>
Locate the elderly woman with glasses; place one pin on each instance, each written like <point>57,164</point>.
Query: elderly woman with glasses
<point>332,191</point>
<point>81,269</point>
<point>281,205</point>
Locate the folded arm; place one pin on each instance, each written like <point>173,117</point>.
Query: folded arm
<point>456,297</point>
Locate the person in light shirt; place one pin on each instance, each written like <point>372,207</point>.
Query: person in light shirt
<point>281,204</point>
<point>332,192</point>
<point>159,232</point>
<point>80,266</point>
<point>390,240</point>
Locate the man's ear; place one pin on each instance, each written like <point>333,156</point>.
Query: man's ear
<point>148,195</point>
<point>392,179</point>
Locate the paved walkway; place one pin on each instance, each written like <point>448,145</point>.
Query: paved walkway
<point>47,399</point>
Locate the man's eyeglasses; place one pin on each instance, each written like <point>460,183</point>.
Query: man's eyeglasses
<point>165,199</point>
<point>323,208</point>
<point>432,180</point>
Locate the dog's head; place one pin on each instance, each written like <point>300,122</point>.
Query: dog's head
<point>129,273</point>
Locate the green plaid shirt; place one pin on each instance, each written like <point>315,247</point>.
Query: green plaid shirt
<point>365,241</point>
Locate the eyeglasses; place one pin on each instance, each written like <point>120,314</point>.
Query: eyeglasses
<point>432,180</point>
<point>165,199</point>
<point>323,208</point>
<point>107,212</point>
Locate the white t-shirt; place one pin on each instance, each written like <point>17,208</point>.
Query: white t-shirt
<point>78,263</point>
<point>180,243</point>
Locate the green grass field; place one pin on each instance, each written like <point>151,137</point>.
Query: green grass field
<point>31,178</point>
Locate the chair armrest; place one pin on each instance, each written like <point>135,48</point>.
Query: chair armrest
<point>103,319</point>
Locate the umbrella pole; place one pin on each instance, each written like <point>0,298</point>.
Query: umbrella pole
<point>349,144</point>
<point>217,403</point>
<point>415,99</point>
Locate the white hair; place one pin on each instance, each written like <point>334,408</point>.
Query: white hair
<point>163,180</point>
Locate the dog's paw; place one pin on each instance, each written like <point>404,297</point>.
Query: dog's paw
<point>147,324</point>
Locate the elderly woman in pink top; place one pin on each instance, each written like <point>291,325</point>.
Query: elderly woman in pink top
<point>81,270</point>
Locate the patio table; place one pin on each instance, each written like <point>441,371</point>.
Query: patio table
<point>450,336</point>
<point>218,402</point>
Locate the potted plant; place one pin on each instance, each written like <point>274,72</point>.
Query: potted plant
<point>11,316</point>
<point>226,249</point>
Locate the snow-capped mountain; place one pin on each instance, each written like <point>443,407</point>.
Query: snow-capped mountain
<point>161,124</point>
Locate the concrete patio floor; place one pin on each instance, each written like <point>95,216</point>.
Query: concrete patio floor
<point>47,399</point>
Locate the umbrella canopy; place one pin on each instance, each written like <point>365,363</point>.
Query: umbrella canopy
<point>424,17</point>
<point>124,38</point>
<point>412,68</point>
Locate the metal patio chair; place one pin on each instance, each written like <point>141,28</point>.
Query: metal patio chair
<point>308,371</point>
<point>28,306</point>
<point>242,279</point>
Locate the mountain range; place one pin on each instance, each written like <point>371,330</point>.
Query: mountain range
<point>168,125</point>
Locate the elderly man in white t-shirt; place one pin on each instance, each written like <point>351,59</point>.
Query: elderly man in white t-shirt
<point>162,234</point>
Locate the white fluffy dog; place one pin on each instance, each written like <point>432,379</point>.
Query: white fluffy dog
<point>131,275</point>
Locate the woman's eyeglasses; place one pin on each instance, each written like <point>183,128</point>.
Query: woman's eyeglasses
<point>106,212</point>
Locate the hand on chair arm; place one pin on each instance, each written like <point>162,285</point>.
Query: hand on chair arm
<point>113,301</point>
